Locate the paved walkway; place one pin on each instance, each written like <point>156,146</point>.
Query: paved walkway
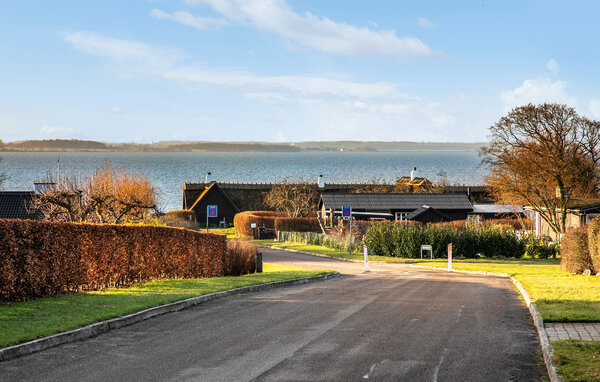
<point>573,331</point>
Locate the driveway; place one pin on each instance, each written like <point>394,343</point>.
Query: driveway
<point>394,323</point>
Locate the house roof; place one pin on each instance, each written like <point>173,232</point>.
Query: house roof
<point>406,180</point>
<point>395,201</point>
<point>14,205</point>
<point>497,209</point>
<point>215,187</point>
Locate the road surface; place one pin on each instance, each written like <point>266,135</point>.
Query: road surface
<point>394,323</point>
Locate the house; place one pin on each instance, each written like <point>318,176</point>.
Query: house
<point>15,205</point>
<point>579,211</point>
<point>424,208</point>
<point>212,195</point>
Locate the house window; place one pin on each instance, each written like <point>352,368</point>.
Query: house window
<point>589,217</point>
<point>401,216</point>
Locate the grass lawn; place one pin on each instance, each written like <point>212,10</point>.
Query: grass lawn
<point>578,360</point>
<point>24,321</point>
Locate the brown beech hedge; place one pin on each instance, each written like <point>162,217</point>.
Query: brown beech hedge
<point>274,220</point>
<point>40,259</point>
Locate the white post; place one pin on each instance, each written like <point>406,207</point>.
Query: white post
<point>450,257</point>
<point>350,220</point>
<point>366,258</point>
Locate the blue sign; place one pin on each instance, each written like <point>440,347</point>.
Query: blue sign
<point>346,211</point>
<point>211,211</point>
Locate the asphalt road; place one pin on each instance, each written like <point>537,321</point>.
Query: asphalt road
<point>392,324</point>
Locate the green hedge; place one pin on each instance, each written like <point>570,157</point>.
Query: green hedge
<point>396,240</point>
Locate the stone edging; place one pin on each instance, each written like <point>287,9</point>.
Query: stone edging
<point>115,323</point>
<point>547,349</point>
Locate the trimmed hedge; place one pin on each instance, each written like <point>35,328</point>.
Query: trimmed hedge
<point>40,259</point>
<point>279,221</point>
<point>574,253</point>
<point>297,224</point>
<point>399,241</point>
<point>594,244</point>
<point>242,221</point>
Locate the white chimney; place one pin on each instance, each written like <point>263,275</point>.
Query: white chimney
<point>320,181</point>
<point>412,173</point>
<point>208,177</point>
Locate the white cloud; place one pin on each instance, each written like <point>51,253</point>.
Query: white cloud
<point>56,131</point>
<point>536,91</point>
<point>595,108</point>
<point>188,19</point>
<point>316,32</point>
<point>122,50</point>
<point>319,107</point>
<point>425,23</point>
<point>553,66</point>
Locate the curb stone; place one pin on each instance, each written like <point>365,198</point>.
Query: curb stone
<point>101,327</point>
<point>547,349</point>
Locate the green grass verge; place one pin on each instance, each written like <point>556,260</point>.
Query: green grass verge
<point>560,296</point>
<point>24,321</point>
<point>577,360</point>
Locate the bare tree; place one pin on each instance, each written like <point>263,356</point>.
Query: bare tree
<point>543,155</point>
<point>295,198</point>
<point>111,195</point>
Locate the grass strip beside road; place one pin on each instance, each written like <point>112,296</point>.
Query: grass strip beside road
<point>25,321</point>
<point>577,360</point>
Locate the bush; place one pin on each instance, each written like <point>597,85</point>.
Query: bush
<point>242,221</point>
<point>594,243</point>
<point>39,259</point>
<point>240,258</point>
<point>297,224</point>
<point>574,252</point>
<point>405,241</point>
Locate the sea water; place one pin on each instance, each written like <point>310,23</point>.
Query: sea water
<point>169,171</point>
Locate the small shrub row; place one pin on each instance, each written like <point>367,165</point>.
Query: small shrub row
<point>517,224</point>
<point>40,259</point>
<point>297,224</point>
<point>321,239</point>
<point>398,240</point>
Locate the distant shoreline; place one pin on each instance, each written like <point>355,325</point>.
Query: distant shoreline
<point>63,145</point>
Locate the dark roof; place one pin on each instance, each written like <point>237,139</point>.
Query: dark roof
<point>214,187</point>
<point>390,201</point>
<point>14,205</point>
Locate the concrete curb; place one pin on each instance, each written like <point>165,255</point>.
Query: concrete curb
<point>547,349</point>
<point>119,322</point>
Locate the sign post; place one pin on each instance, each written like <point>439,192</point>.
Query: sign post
<point>449,257</point>
<point>366,258</point>
<point>347,213</point>
<point>211,211</point>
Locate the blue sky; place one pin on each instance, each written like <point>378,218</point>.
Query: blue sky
<point>285,70</point>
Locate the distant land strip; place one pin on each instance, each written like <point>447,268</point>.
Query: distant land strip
<point>178,146</point>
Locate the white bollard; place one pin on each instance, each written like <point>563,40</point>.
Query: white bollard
<point>366,258</point>
<point>449,257</point>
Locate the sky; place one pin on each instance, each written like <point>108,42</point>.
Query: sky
<point>289,70</point>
